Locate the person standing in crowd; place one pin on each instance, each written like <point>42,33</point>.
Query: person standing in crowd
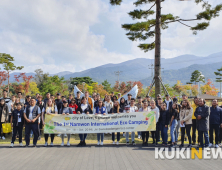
<point>145,134</point>
<point>168,102</point>
<point>84,108</point>
<point>73,106</point>
<point>47,98</point>
<point>95,99</point>
<point>158,96</point>
<point>122,103</point>
<point>194,122</point>
<point>174,114</point>
<point>147,98</point>
<point>27,102</point>
<point>21,100</point>
<point>58,101</point>
<point>41,106</point>
<point>50,108</point>
<point>70,98</point>
<point>159,102</point>
<point>100,110</point>
<point>96,103</point>
<point>37,96</point>
<point>11,106</point>
<point>132,108</point>
<point>108,104</point>
<point>202,116</point>
<point>175,100</point>
<point>128,101</point>
<point>31,115</point>
<point>155,109</point>
<point>78,99</point>
<point>116,109</point>
<point>5,97</point>
<point>215,122</point>
<point>164,122</point>
<point>184,97</point>
<point>17,122</point>
<point>119,97</point>
<point>65,110</point>
<point>89,100</point>
<point>4,115</point>
<point>114,99</point>
<point>111,96</point>
<point>139,105</point>
<point>186,121</point>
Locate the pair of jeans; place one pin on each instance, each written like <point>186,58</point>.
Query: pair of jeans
<point>83,136</point>
<point>216,128</point>
<point>206,137</point>
<point>173,132</point>
<point>164,134</point>
<point>145,136</point>
<point>177,130</point>
<point>18,129</point>
<point>118,136</point>
<point>187,128</point>
<point>194,129</point>
<point>132,136</point>
<point>100,136</point>
<point>47,136</point>
<point>34,128</point>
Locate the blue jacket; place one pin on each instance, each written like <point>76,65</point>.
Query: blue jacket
<point>103,110</point>
<point>203,123</point>
<point>215,115</point>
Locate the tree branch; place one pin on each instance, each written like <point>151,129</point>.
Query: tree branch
<point>185,24</point>
<point>152,7</point>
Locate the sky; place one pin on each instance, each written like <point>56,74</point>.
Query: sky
<point>74,35</point>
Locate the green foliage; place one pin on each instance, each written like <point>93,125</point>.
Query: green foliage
<point>196,77</point>
<point>80,80</point>
<point>219,79</point>
<point>106,85</point>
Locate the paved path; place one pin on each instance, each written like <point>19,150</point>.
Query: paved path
<point>107,157</point>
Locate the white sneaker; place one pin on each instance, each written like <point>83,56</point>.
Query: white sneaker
<point>98,143</point>
<point>216,146</point>
<point>62,144</point>
<point>58,135</point>
<point>117,143</point>
<point>114,143</point>
<point>210,145</point>
<point>51,144</point>
<point>220,144</point>
<point>46,144</point>
<point>139,136</point>
<point>20,144</point>
<point>12,144</point>
<point>3,138</point>
<point>101,143</point>
<point>68,144</point>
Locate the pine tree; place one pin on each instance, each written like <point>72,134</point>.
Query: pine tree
<point>197,76</point>
<point>151,28</point>
<point>219,79</point>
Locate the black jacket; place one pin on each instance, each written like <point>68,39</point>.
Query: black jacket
<point>114,110</point>
<point>58,103</point>
<point>78,102</point>
<point>215,115</point>
<point>15,117</point>
<point>164,117</point>
<point>174,113</point>
<point>170,104</point>
<point>88,109</point>
<point>203,123</point>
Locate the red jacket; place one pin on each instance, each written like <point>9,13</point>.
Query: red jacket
<point>74,108</point>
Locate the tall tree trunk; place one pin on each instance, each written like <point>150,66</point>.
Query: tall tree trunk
<point>157,48</point>
<point>8,83</point>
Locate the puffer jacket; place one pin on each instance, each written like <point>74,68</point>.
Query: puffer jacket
<point>186,115</point>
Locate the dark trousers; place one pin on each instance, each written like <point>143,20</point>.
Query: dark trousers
<point>17,129</point>
<point>34,128</point>
<point>187,128</point>
<point>194,130</point>
<point>83,136</point>
<point>1,134</point>
<point>118,136</point>
<point>215,128</point>
<point>164,134</point>
<point>206,138</point>
<point>47,136</point>
<point>153,133</point>
<point>145,136</point>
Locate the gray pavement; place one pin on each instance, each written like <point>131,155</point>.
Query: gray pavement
<point>94,157</point>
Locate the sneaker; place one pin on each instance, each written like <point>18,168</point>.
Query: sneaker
<point>51,144</point>
<point>59,135</point>
<point>220,144</point>
<point>194,143</point>
<point>80,144</point>
<point>139,136</point>
<point>101,143</point>
<point>156,144</point>
<point>46,144</point>
<point>3,138</point>
<point>210,144</point>
<point>62,144</point>
<point>127,143</point>
<point>84,143</point>
<point>123,134</point>
<point>216,146</point>
<point>68,144</point>
<point>133,143</point>
<point>12,145</point>
<point>98,143</point>
<point>20,144</point>
<point>172,146</point>
<point>34,146</point>
<point>114,143</point>
<point>117,143</point>
<point>170,142</point>
<point>189,146</point>
<point>39,138</point>
<point>181,146</point>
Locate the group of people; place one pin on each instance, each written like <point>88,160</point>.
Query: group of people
<point>179,117</point>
